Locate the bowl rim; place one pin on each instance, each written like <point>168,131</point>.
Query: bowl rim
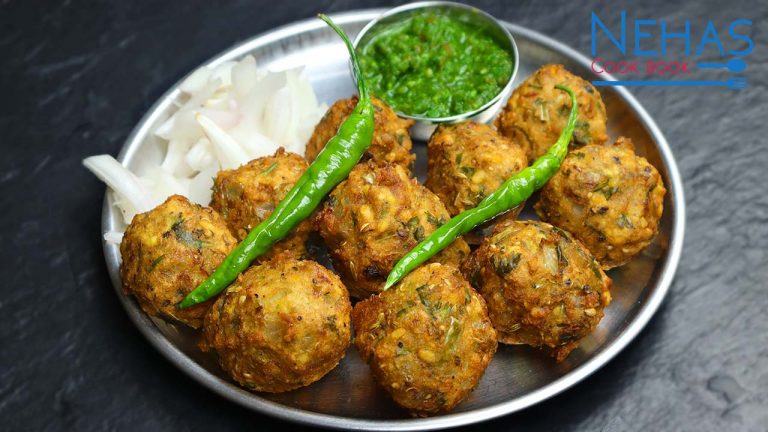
<point>503,92</point>
<point>257,403</point>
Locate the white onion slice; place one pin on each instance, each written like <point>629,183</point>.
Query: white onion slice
<point>224,117</point>
<point>113,237</point>
<point>134,196</point>
<point>230,154</point>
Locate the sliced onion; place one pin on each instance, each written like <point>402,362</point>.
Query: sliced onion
<point>201,184</point>
<point>196,80</point>
<point>113,237</point>
<point>229,152</point>
<point>224,117</point>
<point>134,196</point>
<point>201,157</point>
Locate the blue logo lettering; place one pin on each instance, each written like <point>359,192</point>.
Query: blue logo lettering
<point>739,37</point>
<point>622,46</point>
<point>643,35</point>
<point>707,39</point>
<point>686,35</point>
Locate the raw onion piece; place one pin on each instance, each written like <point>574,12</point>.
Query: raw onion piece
<point>230,154</point>
<point>132,196</point>
<point>224,117</point>
<point>113,237</point>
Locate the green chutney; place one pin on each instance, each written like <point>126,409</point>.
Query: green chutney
<point>432,65</point>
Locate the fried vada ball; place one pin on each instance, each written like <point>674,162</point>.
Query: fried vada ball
<point>543,288</point>
<point>427,340</point>
<point>247,195</point>
<point>609,198</point>
<point>537,112</point>
<point>168,251</point>
<point>282,325</point>
<point>391,140</point>
<point>468,161</point>
<point>375,217</point>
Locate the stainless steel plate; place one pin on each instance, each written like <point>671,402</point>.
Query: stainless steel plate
<point>518,376</point>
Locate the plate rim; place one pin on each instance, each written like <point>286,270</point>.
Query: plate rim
<point>257,403</point>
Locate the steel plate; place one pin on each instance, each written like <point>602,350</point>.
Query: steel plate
<point>518,377</point>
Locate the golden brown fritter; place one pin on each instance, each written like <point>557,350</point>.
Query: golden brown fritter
<point>391,140</point>
<point>282,325</point>
<point>537,112</point>
<point>468,161</point>
<point>168,251</point>
<point>427,340</point>
<point>609,198</point>
<point>543,288</point>
<point>247,195</point>
<point>373,218</point>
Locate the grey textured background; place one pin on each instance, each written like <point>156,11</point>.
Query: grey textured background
<point>76,77</point>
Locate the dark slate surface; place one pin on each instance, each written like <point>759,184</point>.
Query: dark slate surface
<point>75,78</point>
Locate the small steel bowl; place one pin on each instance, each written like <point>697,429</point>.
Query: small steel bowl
<point>424,126</point>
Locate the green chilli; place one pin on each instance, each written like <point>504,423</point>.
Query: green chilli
<point>514,191</point>
<point>331,166</point>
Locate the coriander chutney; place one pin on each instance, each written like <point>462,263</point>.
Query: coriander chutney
<point>432,65</point>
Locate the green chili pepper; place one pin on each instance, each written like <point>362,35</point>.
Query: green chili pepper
<point>513,192</point>
<point>331,166</point>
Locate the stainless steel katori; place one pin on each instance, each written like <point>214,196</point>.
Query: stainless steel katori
<point>424,126</point>
<point>518,376</point>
